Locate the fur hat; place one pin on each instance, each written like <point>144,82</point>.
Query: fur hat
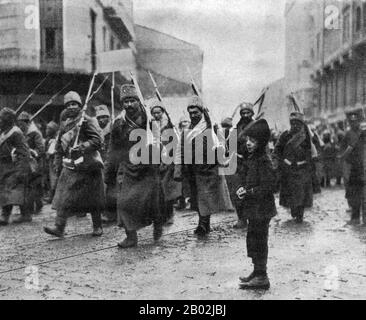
<point>227,123</point>
<point>195,101</point>
<point>245,106</point>
<point>8,115</point>
<point>53,126</point>
<point>155,103</point>
<point>72,96</point>
<point>297,115</point>
<point>259,130</point>
<point>102,111</point>
<point>128,91</point>
<point>24,116</point>
<point>354,116</point>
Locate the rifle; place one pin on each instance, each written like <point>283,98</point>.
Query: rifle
<point>160,98</point>
<point>69,162</point>
<point>197,93</point>
<point>50,101</point>
<point>142,101</point>
<point>112,97</point>
<point>83,111</point>
<point>97,90</point>
<point>17,112</point>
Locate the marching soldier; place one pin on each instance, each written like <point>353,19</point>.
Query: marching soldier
<point>14,169</point>
<point>208,188</point>
<point>104,120</point>
<point>353,163</point>
<point>36,145</point>
<point>293,156</point>
<point>138,184</point>
<point>80,187</point>
<point>170,189</point>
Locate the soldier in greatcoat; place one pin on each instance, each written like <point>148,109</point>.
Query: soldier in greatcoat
<point>80,187</point>
<point>14,169</point>
<point>202,170</point>
<point>137,181</point>
<point>293,158</point>
<point>170,189</point>
<point>36,145</point>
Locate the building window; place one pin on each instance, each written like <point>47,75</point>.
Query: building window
<point>364,14</point>
<point>111,43</point>
<point>104,39</point>
<point>50,42</point>
<point>317,45</point>
<point>358,19</point>
<point>346,26</point>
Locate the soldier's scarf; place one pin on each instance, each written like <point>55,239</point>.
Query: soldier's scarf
<point>199,129</point>
<point>298,138</point>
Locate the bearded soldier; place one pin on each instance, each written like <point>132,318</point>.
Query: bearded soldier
<point>170,189</point>
<point>208,188</point>
<point>138,183</point>
<point>293,156</point>
<point>14,169</point>
<point>36,145</point>
<point>80,187</point>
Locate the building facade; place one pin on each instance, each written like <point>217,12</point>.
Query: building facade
<point>65,40</point>
<point>339,68</point>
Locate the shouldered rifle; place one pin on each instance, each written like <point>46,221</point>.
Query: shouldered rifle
<point>112,97</point>
<point>142,101</point>
<point>50,101</point>
<point>68,162</point>
<point>160,98</point>
<point>20,108</point>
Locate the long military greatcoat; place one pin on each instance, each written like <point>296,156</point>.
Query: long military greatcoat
<point>296,188</point>
<point>207,186</point>
<point>138,185</point>
<point>80,190</point>
<point>14,168</point>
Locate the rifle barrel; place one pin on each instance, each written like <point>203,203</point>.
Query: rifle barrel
<point>31,95</point>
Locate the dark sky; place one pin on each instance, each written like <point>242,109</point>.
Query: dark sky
<point>242,40</point>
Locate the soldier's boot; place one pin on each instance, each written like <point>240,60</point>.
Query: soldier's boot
<point>248,278</point>
<point>241,224</point>
<point>300,215</point>
<point>5,215</point>
<point>260,278</point>
<point>131,240</point>
<point>97,224</point>
<point>59,229</point>
<point>158,231</point>
<point>25,215</point>
<point>203,228</point>
<point>355,216</point>
<point>38,206</point>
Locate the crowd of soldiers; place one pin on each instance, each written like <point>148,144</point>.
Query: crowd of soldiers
<point>85,165</point>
